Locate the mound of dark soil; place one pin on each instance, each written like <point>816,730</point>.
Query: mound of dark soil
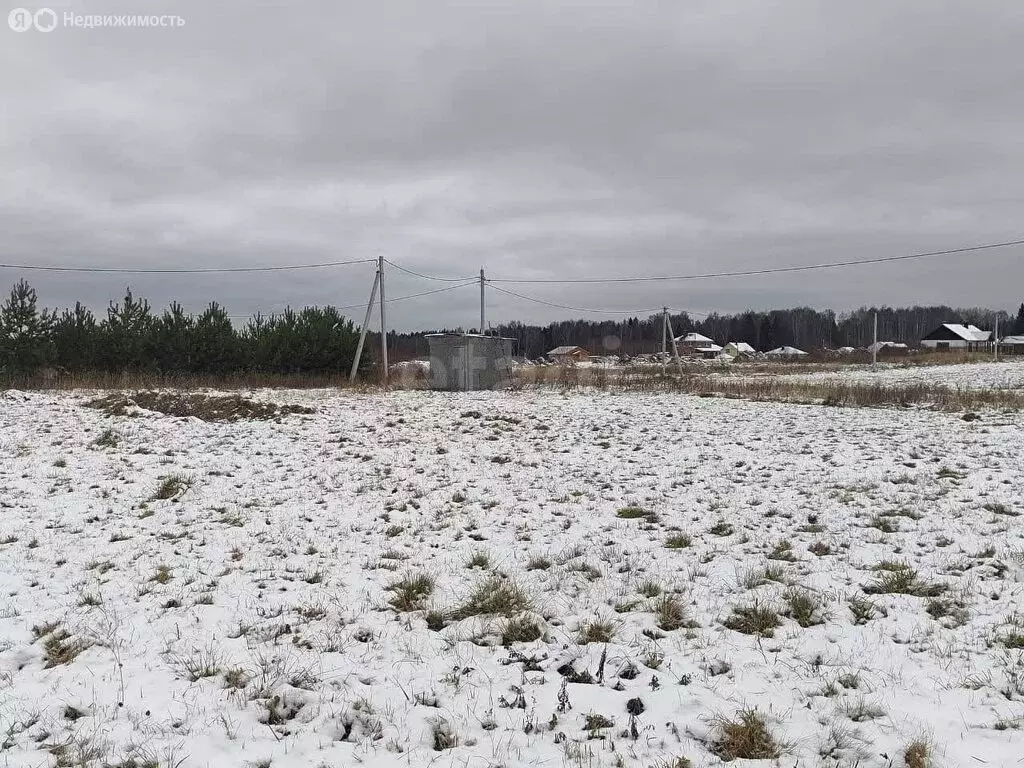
<point>205,407</point>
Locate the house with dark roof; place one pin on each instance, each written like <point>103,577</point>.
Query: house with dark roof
<point>954,336</point>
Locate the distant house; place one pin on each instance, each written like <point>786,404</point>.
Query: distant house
<point>736,349</point>
<point>569,354</point>
<point>785,353</point>
<point>691,343</point>
<point>966,338</point>
<point>890,348</point>
<point>708,351</point>
<point>1012,345</point>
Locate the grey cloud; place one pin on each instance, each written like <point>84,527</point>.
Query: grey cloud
<point>537,139</point>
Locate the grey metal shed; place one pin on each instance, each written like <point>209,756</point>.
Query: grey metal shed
<point>461,362</point>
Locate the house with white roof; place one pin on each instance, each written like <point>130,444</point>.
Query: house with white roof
<point>785,353</point>
<point>736,349</point>
<point>950,336</point>
<point>888,348</point>
<point>693,343</point>
<point>1012,345</point>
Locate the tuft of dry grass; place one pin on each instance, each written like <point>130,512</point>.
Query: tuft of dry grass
<point>496,595</point>
<point>917,755</point>
<point>901,579</point>
<point>596,631</point>
<point>411,592</point>
<point>671,614</point>
<point>754,619</point>
<point>521,629</point>
<point>60,647</point>
<point>745,737</point>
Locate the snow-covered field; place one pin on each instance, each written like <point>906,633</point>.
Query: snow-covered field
<point>245,618</point>
<point>1004,375</point>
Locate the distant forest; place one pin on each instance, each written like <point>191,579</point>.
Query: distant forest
<point>319,340</point>
<point>802,327</point>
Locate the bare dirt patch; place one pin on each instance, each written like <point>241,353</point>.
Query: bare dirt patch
<point>206,407</point>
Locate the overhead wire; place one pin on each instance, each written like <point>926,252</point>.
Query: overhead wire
<point>576,309</point>
<point>427,277</point>
<point>199,271</point>
<point>764,271</point>
<point>386,301</point>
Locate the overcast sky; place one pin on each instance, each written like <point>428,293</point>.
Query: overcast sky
<point>531,137</point>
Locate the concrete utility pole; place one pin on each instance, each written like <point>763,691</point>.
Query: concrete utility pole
<point>996,347</point>
<point>366,326</point>
<point>675,347</point>
<point>664,339</point>
<point>874,347</point>
<point>383,319</point>
<point>482,325</point>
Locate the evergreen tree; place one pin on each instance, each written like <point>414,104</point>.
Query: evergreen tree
<point>76,339</point>
<point>126,340</point>
<point>1018,325</point>
<point>215,342</point>
<point>24,332</point>
<point>172,340</point>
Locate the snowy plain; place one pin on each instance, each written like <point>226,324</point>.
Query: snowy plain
<point>246,618</point>
<point>1002,375</point>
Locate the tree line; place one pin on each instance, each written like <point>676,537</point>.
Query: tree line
<point>132,338</point>
<point>801,327</point>
<point>320,340</point>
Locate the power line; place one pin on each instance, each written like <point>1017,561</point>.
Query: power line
<point>601,311</point>
<point>388,301</point>
<point>428,277</point>
<point>765,271</point>
<point>141,271</point>
<point>577,309</point>
<point>417,295</point>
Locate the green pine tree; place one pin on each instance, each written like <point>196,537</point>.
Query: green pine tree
<point>25,344</point>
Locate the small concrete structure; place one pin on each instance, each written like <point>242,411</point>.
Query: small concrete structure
<point>463,362</point>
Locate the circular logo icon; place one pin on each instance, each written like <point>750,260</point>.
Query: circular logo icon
<point>20,20</point>
<point>45,20</point>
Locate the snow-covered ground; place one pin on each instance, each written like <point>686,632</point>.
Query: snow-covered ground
<point>1004,375</point>
<point>246,618</point>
